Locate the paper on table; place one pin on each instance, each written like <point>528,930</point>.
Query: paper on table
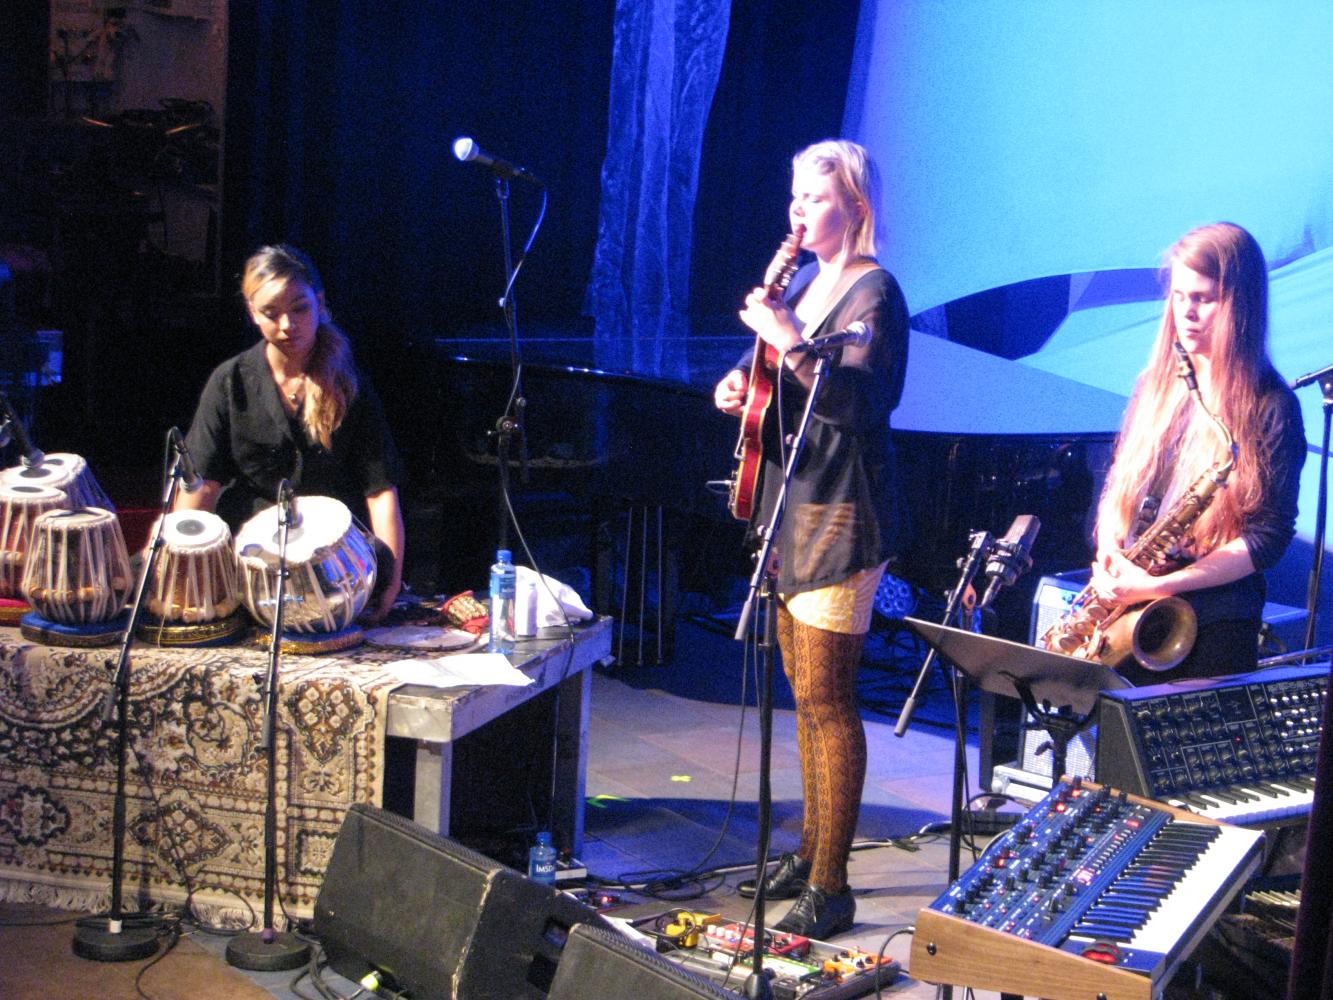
<point>459,670</point>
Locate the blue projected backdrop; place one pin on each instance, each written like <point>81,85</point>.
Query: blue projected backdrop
<point>1019,140</point>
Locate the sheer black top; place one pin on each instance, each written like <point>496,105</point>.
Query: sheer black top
<point>844,512</point>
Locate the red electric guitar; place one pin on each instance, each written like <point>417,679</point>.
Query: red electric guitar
<point>763,372</point>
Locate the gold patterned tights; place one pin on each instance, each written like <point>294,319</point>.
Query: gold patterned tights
<point>821,667</point>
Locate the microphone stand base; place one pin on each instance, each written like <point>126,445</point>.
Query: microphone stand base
<point>759,987</point>
<point>280,952</point>
<point>136,939</point>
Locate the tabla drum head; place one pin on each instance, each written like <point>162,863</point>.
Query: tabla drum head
<point>63,471</point>
<point>194,529</point>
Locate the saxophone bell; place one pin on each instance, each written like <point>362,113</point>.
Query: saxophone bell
<point>1158,635</point>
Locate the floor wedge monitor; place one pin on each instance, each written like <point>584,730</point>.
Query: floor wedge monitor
<point>434,919</point>
<point>599,964</point>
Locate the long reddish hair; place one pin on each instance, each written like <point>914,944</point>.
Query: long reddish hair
<point>1166,440</point>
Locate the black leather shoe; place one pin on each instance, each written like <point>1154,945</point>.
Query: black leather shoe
<point>785,881</point>
<point>819,914</point>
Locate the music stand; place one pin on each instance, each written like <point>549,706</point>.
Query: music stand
<point>1050,685</point>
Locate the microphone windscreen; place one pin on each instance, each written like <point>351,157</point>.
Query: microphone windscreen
<point>464,148</point>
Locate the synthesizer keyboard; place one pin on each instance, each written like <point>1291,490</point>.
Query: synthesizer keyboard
<point>1239,749</point>
<point>1093,892</point>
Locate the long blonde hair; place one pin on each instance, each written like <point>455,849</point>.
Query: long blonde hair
<point>1166,440</point>
<point>331,383</point>
<point>857,176</point>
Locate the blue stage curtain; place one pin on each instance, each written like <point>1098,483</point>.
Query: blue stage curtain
<point>665,64</point>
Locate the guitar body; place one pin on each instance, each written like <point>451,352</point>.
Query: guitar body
<point>759,392</point>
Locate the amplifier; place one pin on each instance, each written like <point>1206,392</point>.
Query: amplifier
<point>1052,598</point>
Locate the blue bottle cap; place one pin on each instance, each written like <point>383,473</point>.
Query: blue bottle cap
<point>504,555</point>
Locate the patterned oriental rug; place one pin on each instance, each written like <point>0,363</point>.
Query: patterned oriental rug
<point>196,777</point>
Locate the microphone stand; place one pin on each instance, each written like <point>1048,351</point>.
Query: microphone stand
<point>982,543</point>
<point>1325,381</point>
<point>511,423</point>
<point>270,950</point>
<point>115,936</point>
<point>763,590</point>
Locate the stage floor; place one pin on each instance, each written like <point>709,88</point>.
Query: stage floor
<point>662,761</point>
<point>660,774</point>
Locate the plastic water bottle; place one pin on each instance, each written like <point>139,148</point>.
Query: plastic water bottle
<point>503,582</point>
<point>525,615</point>
<point>541,859</point>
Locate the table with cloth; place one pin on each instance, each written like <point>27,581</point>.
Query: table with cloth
<point>196,787</point>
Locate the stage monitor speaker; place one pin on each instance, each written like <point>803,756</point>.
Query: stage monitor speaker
<point>599,964</point>
<point>435,919</point>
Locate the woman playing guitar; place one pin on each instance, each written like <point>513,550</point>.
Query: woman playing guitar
<point>843,520</point>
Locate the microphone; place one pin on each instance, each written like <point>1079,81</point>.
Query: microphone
<point>32,456</point>
<point>1319,376</point>
<point>287,505</point>
<point>857,334</point>
<point>1010,558</point>
<point>190,478</point>
<point>467,150</point>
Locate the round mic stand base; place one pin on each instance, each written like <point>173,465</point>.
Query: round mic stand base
<point>267,951</point>
<point>136,938</point>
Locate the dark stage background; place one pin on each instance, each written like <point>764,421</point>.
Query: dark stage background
<point>337,134</point>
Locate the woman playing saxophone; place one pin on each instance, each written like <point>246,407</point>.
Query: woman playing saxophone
<point>1217,313</point>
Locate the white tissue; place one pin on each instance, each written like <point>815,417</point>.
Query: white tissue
<point>555,600</point>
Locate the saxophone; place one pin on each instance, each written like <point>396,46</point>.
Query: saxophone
<point>1157,634</point>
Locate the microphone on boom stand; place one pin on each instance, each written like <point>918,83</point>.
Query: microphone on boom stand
<point>1011,556</point>
<point>116,936</point>
<point>11,428</point>
<point>271,950</point>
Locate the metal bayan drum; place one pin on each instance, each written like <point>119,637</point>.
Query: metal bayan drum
<point>76,578</point>
<point>194,594</point>
<point>65,472</point>
<point>20,506</point>
<point>331,572</point>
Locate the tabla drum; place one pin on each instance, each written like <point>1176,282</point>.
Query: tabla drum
<point>193,597</point>
<point>20,506</point>
<point>65,472</point>
<point>76,578</point>
<point>331,572</point>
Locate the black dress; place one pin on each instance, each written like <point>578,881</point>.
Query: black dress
<point>243,438</point>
